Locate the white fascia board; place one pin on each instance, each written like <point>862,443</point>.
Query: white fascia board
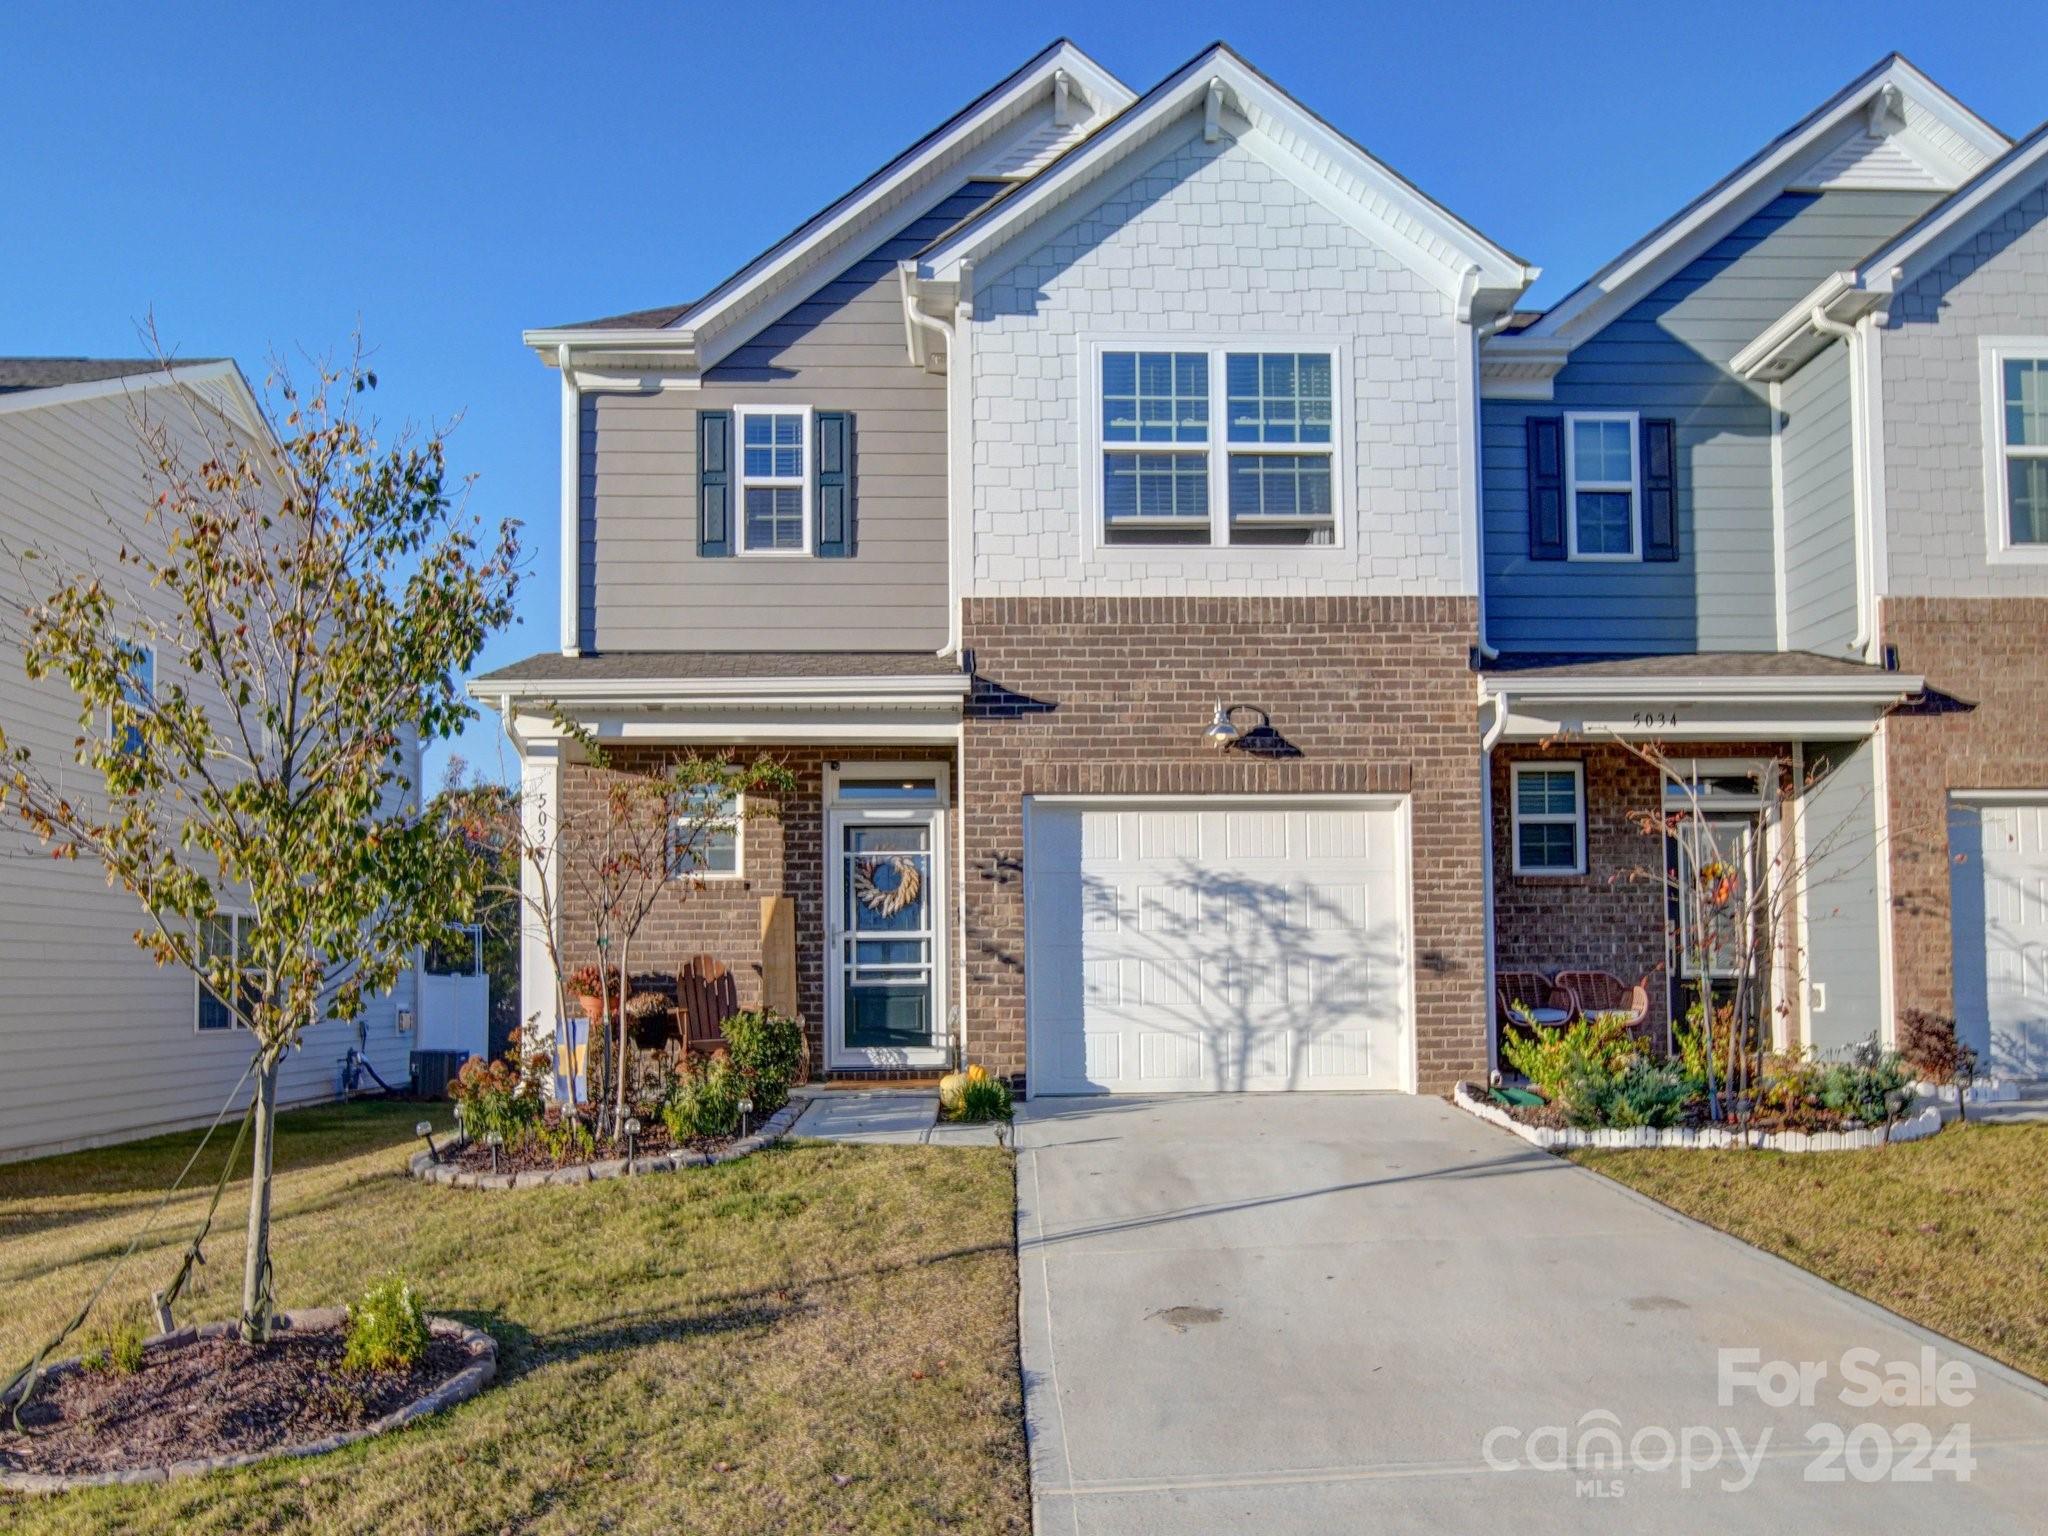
<point>189,375</point>
<point>1884,687</point>
<point>819,692</point>
<point>1391,211</point>
<point>1789,342</point>
<point>1514,368</point>
<point>1933,238</point>
<point>1725,205</point>
<point>724,313</point>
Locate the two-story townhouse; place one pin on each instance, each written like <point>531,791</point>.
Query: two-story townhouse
<point>100,1044</point>
<point>1084,509</point>
<point>1933,351</point>
<point>1674,558</point>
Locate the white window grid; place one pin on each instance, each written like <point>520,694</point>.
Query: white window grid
<point>1631,487</point>
<point>1575,818</point>
<point>800,482</point>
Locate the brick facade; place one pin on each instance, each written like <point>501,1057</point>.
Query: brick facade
<point>1111,695</point>
<point>1986,665</point>
<point>783,855</point>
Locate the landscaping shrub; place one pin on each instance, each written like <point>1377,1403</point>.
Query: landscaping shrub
<point>983,1097</point>
<point>768,1051</point>
<point>1928,1044</point>
<point>503,1096</point>
<point>1550,1058</point>
<point>1872,1087</point>
<point>565,1139</point>
<point>115,1346</point>
<point>387,1329</point>
<point>1636,1092</point>
<point>704,1099</point>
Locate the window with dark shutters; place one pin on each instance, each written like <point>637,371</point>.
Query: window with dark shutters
<point>1546,487</point>
<point>833,484</point>
<point>1660,489</point>
<point>714,482</point>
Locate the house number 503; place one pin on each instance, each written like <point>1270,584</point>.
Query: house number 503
<point>1655,719</point>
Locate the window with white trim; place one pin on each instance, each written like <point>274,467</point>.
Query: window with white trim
<point>1602,486</point>
<point>1165,478</point>
<point>704,838</point>
<point>775,480</point>
<point>223,936</point>
<point>2022,438</point>
<point>138,687</point>
<point>1548,808</point>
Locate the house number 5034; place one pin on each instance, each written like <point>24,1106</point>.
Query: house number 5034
<point>1655,719</point>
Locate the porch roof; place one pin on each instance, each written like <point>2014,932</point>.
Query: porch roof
<point>1698,696</point>
<point>732,696</point>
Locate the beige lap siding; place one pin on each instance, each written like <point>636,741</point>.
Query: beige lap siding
<point>1613,917</point>
<point>1110,696</point>
<point>783,856</point>
<point>1984,726</point>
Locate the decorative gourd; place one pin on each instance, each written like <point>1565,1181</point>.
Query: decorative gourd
<point>977,1073</point>
<point>952,1090</point>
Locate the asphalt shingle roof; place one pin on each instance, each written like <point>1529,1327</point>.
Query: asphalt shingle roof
<point>22,373</point>
<point>661,666</point>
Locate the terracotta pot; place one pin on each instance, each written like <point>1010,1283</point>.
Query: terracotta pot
<point>592,1007</point>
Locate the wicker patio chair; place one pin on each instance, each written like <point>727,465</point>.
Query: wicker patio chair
<point>1603,992</point>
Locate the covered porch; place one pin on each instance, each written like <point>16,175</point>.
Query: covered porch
<point>833,900</point>
<point>1616,787</point>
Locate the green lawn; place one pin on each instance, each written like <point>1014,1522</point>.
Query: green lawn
<point>1951,1232</point>
<point>817,1339</point>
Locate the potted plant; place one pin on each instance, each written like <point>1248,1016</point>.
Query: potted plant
<point>589,985</point>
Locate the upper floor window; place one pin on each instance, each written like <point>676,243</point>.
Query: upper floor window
<point>1601,486</point>
<point>775,480</point>
<point>1165,478</point>
<point>2017,467</point>
<point>138,689</point>
<point>225,938</point>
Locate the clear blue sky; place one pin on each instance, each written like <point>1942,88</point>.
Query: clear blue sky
<point>264,178</point>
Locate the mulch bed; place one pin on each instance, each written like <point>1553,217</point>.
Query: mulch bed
<point>213,1397</point>
<point>1695,1118</point>
<point>530,1156</point>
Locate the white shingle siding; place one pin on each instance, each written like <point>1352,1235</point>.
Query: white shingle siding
<point>1210,240</point>
<point>1994,285</point>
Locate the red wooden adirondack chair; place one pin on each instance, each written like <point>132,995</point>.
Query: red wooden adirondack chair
<point>706,996</point>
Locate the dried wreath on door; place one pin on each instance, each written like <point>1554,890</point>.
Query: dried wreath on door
<point>887,901</point>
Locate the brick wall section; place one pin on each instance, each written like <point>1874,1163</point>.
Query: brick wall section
<point>1988,658</point>
<point>1613,918</point>
<point>782,856</point>
<point>1111,695</point>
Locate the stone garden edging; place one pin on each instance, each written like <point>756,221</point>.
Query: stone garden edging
<point>463,1385</point>
<point>425,1167</point>
<point>1909,1128</point>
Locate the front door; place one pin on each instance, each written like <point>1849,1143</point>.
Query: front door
<point>1722,947</point>
<point>885,956</point>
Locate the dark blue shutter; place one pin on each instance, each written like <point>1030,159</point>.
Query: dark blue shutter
<point>1659,447</point>
<point>1546,487</point>
<point>834,484</point>
<point>714,483</point>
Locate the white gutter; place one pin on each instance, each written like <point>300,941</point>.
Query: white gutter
<point>1859,492</point>
<point>1875,688</point>
<point>572,540</point>
<point>734,690</point>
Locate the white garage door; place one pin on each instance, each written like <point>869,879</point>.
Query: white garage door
<point>1205,945</point>
<point>1998,916</point>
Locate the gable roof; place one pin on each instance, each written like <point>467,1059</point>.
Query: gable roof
<point>25,373</point>
<point>987,138</point>
<point>1793,339</point>
<point>1232,95</point>
<point>1892,115</point>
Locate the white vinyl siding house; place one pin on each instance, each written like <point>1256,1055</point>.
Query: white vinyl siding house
<point>99,1044</point>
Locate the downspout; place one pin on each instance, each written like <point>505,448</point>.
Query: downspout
<point>572,576</point>
<point>1495,728</point>
<point>1475,460</point>
<point>916,318</point>
<point>1859,497</point>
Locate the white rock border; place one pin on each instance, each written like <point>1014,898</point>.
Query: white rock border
<point>1909,1128</point>
<point>425,1167</point>
<point>464,1384</point>
<point>1985,1090</point>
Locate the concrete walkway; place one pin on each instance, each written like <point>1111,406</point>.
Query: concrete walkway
<point>887,1117</point>
<point>1334,1313</point>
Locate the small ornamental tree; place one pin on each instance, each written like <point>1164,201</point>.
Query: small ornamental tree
<point>251,681</point>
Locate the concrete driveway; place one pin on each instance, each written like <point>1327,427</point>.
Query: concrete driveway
<point>1329,1313</point>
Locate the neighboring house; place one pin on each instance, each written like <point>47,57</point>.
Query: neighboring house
<point>1098,510</point>
<point>973,499</point>
<point>1934,350</point>
<point>1696,535</point>
<point>99,1044</point>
